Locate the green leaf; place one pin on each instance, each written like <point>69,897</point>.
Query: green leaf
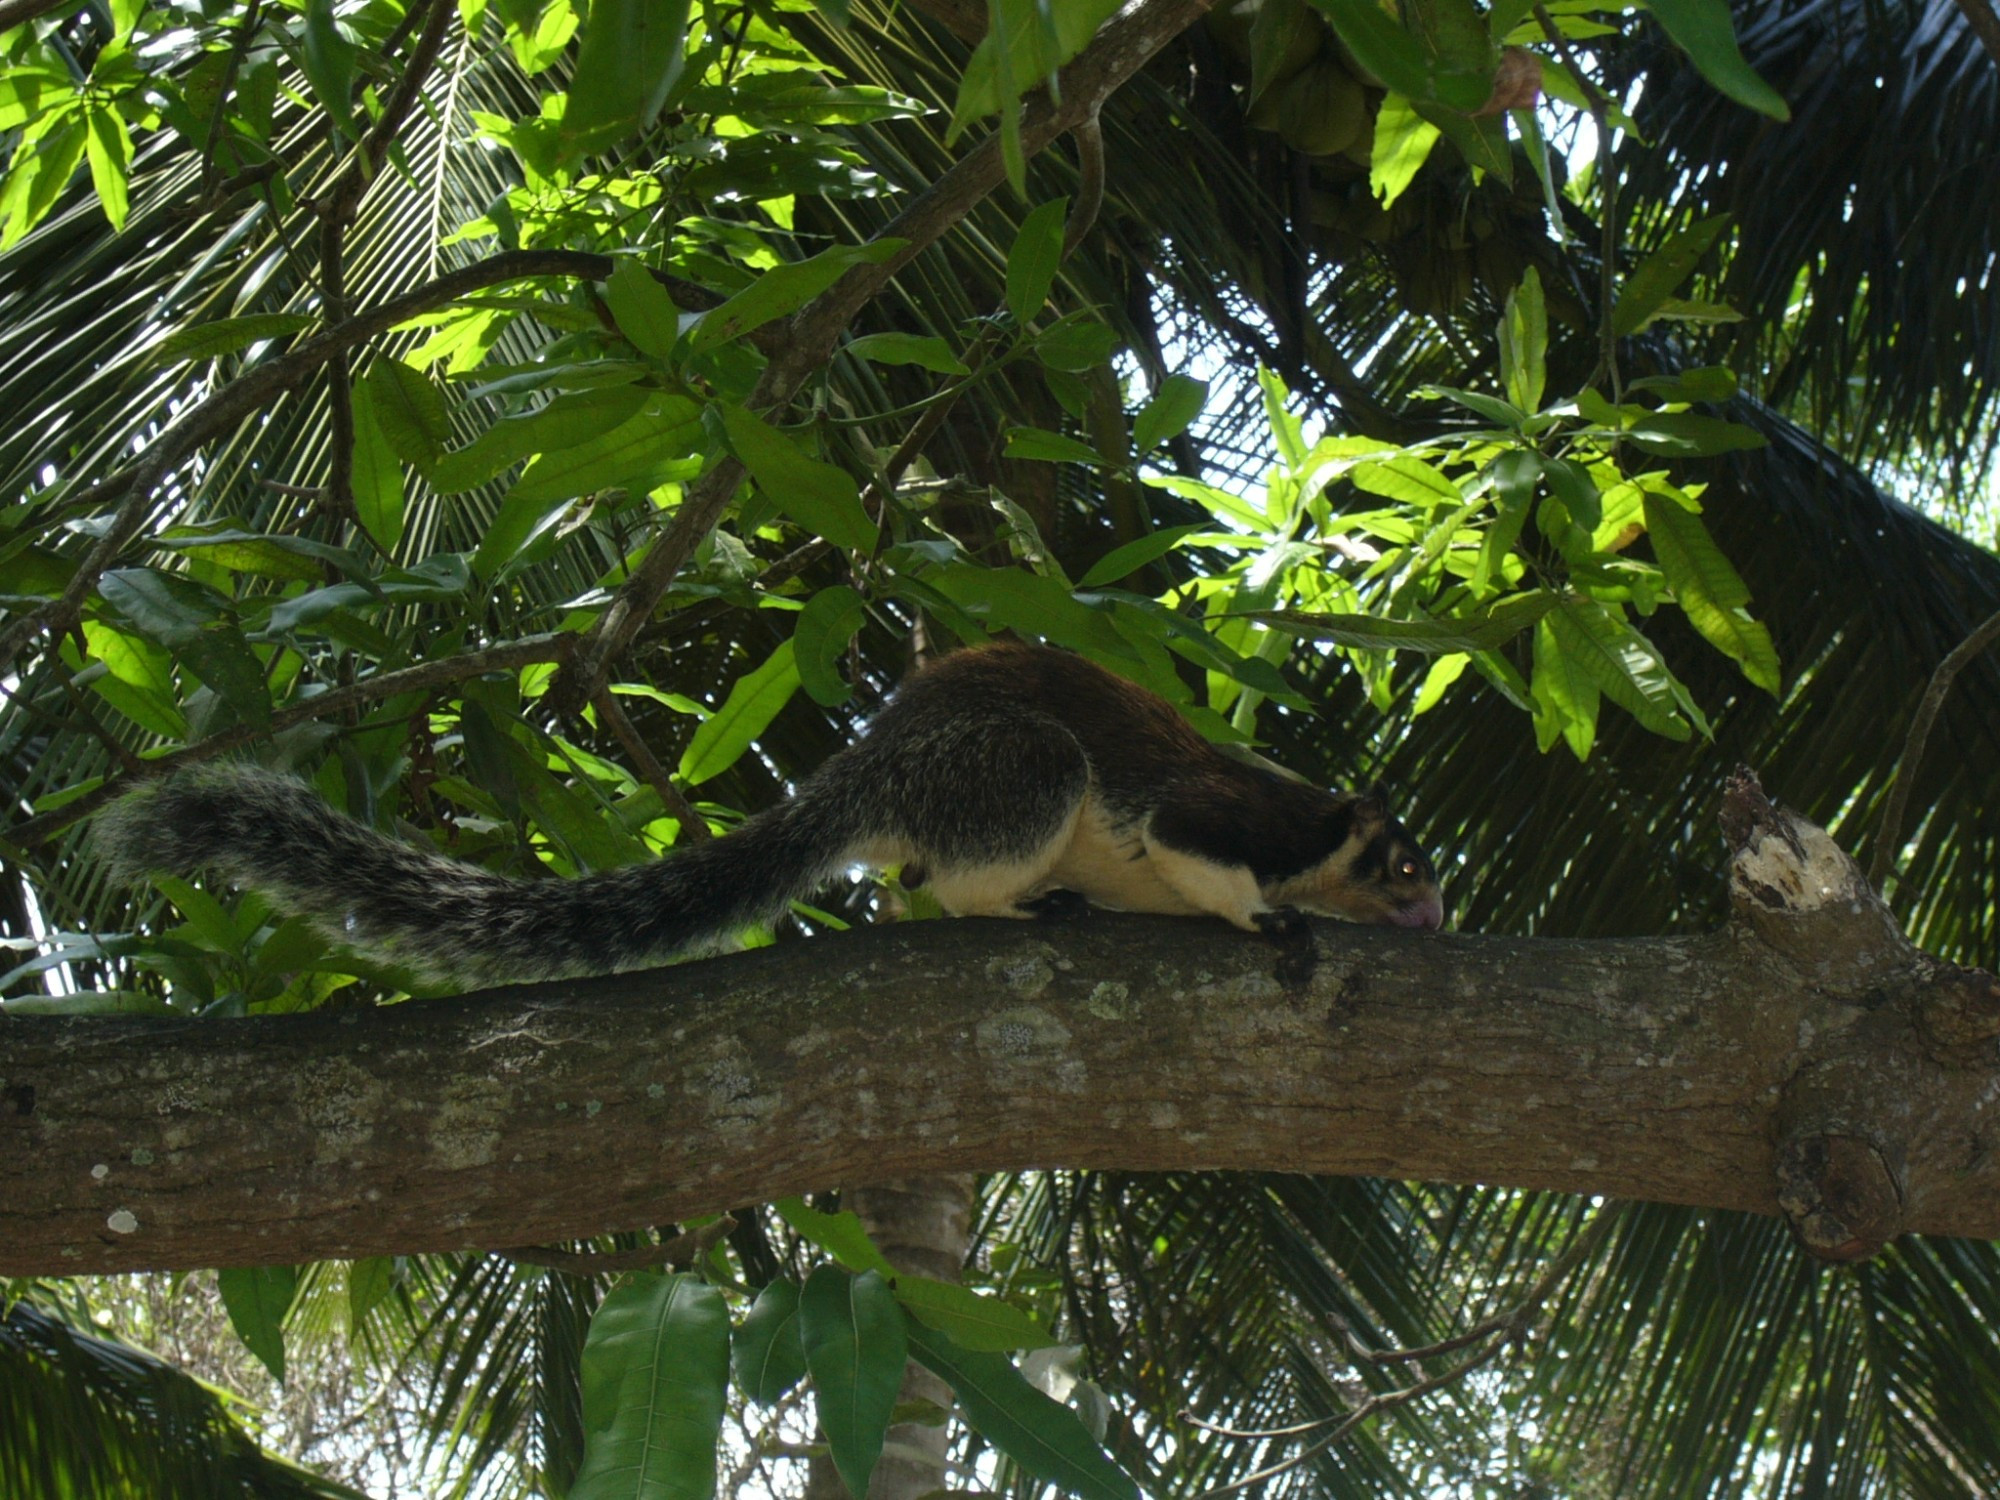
<point>1381,45</point>
<point>110,151</point>
<point>1047,1440</point>
<point>655,443</point>
<point>1177,403</point>
<point>1660,274</point>
<point>839,1235</point>
<point>1403,142</point>
<point>908,349</point>
<point>1036,257</point>
<point>1123,561</point>
<point>1076,345</point>
<point>627,63</point>
<point>226,335</point>
<point>766,1353</point>
<point>1710,590</point>
<point>644,310</point>
<point>1407,478</point>
<point>1573,485</point>
<point>1050,447</point>
<point>193,623</point>
<point>1566,696</point>
<point>1687,434</point>
<point>564,423</point>
<point>138,677</point>
<point>1477,632</point>
<point>655,1379</point>
<point>368,1282</point>
<point>783,290</point>
<point>821,497</point>
<point>410,412</point>
<point>377,476</point>
<point>1702,29</point>
<point>970,1320</point>
<point>820,638</point>
<point>1621,662</point>
<point>752,704</point>
<point>329,63</point>
<point>1524,343</point>
<point>257,1299</point>
<point>1500,413</point>
<point>855,1346</point>
<point>1708,383</point>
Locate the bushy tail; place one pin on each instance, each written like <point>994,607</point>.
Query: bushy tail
<point>455,921</point>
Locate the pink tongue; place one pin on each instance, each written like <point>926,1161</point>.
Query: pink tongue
<point>1419,914</point>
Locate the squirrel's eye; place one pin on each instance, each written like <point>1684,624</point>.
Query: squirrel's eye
<point>1408,869</point>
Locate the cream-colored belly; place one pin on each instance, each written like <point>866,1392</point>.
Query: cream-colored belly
<point>1108,867</point>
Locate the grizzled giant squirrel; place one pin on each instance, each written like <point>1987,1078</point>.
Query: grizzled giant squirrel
<point>996,776</point>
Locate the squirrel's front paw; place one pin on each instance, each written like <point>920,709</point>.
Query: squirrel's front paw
<point>1282,923</point>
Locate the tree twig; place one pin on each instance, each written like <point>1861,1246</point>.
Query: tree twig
<point>1496,1332</point>
<point>694,827</point>
<point>1125,44</point>
<point>1890,838</point>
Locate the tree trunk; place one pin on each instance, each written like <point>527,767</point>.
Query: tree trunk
<point>1805,1060</point>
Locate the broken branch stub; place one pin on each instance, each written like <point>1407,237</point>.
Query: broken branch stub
<point>1897,1055</point>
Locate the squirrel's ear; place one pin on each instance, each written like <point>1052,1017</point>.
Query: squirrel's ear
<point>1373,805</point>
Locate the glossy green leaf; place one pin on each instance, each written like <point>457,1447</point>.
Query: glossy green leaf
<point>194,624</point>
<point>377,477</point>
<point>1703,30</point>
<point>970,1320</point>
<point>1660,274</point>
<point>1688,434</point>
<point>1122,562</point>
<point>856,1345</point>
<point>1621,662</point>
<point>753,702</point>
<point>652,444</point>
<point>655,1380</point>
<point>1047,1440</point>
<point>1403,142</point>
<point>765,1352</point>
<point>644,310</point>
<point>821,497</point>
<point>1175,404</point>
<point>257,1299</point>
<point>410,412</point>
<point>329,62</point>
<point>908,349</point>
<point>1077,344</point>
<point>1050,447</point>
<point>1036,257</point>
<point>226,335</point>
<point>1710,590</point>
<point>1481,632</point>
<point>1524,343</point>
<point>110,152</point>
<point>628,61</point>
<point>368,1283</point>
<point>839,1235</point>
<point>820,638</point>
<point>1566,696</point>
<point>564,423</point>
<point>783,290</point>
<point>1500,413</point>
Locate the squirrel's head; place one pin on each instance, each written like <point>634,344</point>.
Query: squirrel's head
<point>1373,871</point>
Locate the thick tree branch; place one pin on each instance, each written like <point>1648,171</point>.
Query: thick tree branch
<point>1805,1060</point>
<point>1125,44</point>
